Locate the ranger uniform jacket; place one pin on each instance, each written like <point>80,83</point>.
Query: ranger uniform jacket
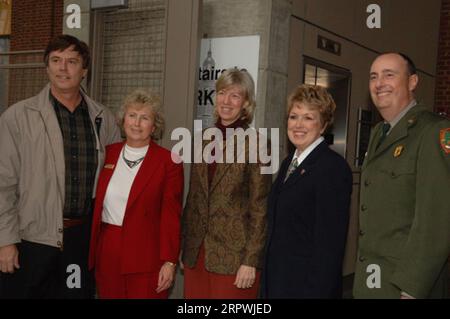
<point>404,217</point>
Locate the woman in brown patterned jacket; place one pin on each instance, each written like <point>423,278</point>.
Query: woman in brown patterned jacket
<point>224,221</point>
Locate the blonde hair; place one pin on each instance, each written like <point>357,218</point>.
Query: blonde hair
<point>244,80</point>
<point>146,99</point>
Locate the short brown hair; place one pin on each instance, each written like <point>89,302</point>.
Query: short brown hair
<point>147,99</point>
<point>62,42</point>
<point>244,80</point>
<point>315,97</point>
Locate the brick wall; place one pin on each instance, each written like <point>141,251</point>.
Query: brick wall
<point>442,104</point>
<point>33,24</point>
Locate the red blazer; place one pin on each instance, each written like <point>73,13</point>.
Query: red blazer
<point>151,226</point>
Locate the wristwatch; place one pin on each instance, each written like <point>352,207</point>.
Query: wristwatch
<point>170,264</point>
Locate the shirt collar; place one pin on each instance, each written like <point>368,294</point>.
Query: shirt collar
<point>402,114</point>
<point>57,104</point>
<point>301,156</point>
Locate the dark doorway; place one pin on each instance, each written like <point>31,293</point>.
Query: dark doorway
<point>338,82</point>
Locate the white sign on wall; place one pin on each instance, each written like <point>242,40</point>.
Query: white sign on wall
<point>217,55</point>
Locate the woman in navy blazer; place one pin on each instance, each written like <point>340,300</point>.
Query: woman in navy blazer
<point>308,207</point>
<point>136,224</point>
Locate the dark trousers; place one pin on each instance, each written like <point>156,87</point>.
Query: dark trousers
<point>47,272</point>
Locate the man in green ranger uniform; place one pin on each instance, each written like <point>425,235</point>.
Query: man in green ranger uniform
<point>404,219</point>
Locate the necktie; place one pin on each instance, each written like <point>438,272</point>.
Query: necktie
<point>385,128</point>
<point>291,168</point>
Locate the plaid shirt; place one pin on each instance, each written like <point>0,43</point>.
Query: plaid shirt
<point>80,158</point>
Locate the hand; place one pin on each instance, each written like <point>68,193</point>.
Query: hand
<point>166,276</point>
<point>404,295</point>
<point>245,277</point>
<point>9,259</point>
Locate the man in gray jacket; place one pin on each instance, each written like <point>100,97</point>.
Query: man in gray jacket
<point>52,149</point>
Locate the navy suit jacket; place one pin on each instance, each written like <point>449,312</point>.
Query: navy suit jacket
<point>307,228</point>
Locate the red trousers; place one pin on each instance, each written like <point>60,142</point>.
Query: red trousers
<point>111,283</point>
<point>202,284</point>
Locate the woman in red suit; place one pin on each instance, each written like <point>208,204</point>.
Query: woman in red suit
<point>136,224</point>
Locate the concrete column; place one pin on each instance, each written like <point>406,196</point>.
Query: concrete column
<point>180,80</point>
<point>77,10</point>
<point>270,20</point>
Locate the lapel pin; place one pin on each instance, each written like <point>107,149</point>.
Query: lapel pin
<point>302,171</point>
<point>398,150</point>
<point>109,166</point>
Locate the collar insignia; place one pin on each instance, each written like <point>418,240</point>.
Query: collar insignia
<point>412,121</point>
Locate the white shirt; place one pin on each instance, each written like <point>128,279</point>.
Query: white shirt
<point>119,186</point>
<point>300,156</point>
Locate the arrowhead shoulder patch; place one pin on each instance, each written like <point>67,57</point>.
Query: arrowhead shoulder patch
<point>445,140</point>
